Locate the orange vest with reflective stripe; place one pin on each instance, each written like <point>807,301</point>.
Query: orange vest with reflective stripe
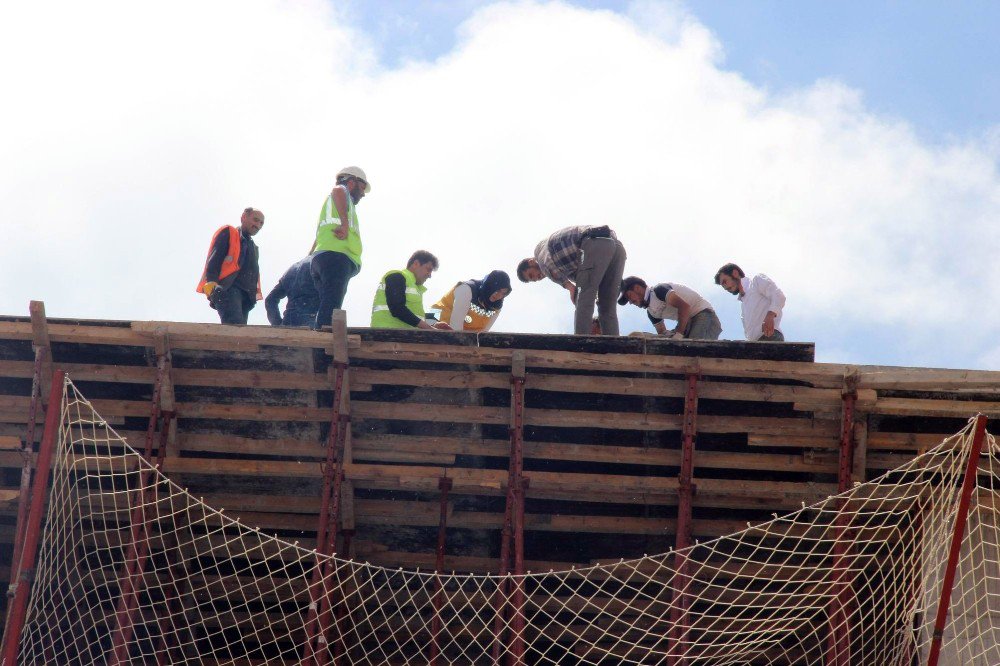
<point>231,264</point>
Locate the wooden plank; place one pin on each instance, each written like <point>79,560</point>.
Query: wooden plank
<point>185,333</point>
<point>894,441</point>
<point>946,408</point>
<point>822,374</point>
<point>40,340</point>
<point>806,396</point>
<point>10,443</point>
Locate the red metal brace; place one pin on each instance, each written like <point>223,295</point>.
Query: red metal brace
<point>968,485</point>
<point>444,485</point>
<point>839,613</point>
<point>33,523</point>
<point>685,499</point>
<point>317,622</point>
<point>512,539</point>
<point>26,454</point>
<point>130,578</point>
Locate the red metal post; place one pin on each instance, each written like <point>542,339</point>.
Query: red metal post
<point>968,485</point>
<point>839,638</point>
<point>516,657</point>
<point>33,524</point>
<point>513,532</point>
<point>685,500</point>
<point>444,485</point>
<point>333,471</point>
<point>130,578</point>
<point>500,596</point>
<point>167,627</point>
<point>27,447</point>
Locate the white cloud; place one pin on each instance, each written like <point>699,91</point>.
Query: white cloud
<point>134,132</point>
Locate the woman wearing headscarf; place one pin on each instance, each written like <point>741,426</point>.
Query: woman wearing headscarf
<point>475,304</point>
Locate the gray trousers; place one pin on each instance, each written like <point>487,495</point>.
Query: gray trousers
<point>599,278</point>
<point>777,337</point>
<point>704,326</point>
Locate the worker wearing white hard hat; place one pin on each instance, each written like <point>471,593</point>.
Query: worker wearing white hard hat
<point>336,253</point>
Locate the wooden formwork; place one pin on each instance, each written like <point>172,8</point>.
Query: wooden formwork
<point>603,430</point>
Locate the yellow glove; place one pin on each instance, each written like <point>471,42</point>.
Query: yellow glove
<point>209,288</point>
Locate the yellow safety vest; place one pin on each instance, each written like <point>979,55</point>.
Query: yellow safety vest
<point>382,318</point>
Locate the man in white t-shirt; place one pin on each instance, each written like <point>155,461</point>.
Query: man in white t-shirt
<point>760,299</point>
<point>669,300</point>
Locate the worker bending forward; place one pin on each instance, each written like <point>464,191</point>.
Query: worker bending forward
<point>336,253</point>
<point>303,300</point>
<point>231,279</point>
<point>474,305</point>
<point>669,300</point>
<point>399,299</point>
<point>589,262</point>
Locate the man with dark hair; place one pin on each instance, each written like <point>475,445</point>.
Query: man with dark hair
<point>669,300</point>
<point>336,252</point>
<point>231,279</point>
<point>589,262</point>
<point>399,299</point>
<point>303,300</point>
<point>761,302</point>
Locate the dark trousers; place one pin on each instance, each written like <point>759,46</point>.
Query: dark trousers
<point>298,318</point>
<point>331,272</point>
<point>233,305</point>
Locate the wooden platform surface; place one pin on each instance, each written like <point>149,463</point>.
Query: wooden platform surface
<point>602,429</point>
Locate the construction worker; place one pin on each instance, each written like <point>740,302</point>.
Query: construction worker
<point>474,305</point>
<point>589,262</point>
<point>399,299</point>
<point>303,300</point>
<point>336,252</point>
<point>231,279</point>
<point>669,300</point>
<point>761,302</point>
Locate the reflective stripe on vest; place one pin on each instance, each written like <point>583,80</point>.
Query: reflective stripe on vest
<point>329,219</point>
<point>382,317</point>
<point>231,264</point>
<point>476,318</point>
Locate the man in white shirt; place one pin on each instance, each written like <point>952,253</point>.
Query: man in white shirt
<point>761,301</point>
<point>669,300</point>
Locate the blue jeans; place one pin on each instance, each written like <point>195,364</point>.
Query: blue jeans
<point>331,272</point>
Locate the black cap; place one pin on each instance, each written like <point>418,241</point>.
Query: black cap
<point>627,284</point>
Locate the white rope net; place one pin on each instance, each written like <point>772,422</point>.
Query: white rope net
<point>854,579</point>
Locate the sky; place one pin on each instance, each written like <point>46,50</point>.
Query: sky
<point>848,150</point>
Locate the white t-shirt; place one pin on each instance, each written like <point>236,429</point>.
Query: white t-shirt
<point>659,308</point>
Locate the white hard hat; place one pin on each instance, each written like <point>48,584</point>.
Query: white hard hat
<point>356,172</point>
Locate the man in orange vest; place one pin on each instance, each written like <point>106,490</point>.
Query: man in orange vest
<point>231,280</point>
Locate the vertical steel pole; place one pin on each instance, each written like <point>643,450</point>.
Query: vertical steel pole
<point>33,524</point>
<point>968,485</point>
<point>839,639</point>
<point>520,487</point>
<point>444,485</point>
<point>679,619</point>
<point>512,538</point>
<point>315,652</point>
<point>26,453</point>
<point>130,578</point>
<point>167,627</point>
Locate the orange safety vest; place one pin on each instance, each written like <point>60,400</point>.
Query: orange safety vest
<point>231,264</point>
<point>476,319</point>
